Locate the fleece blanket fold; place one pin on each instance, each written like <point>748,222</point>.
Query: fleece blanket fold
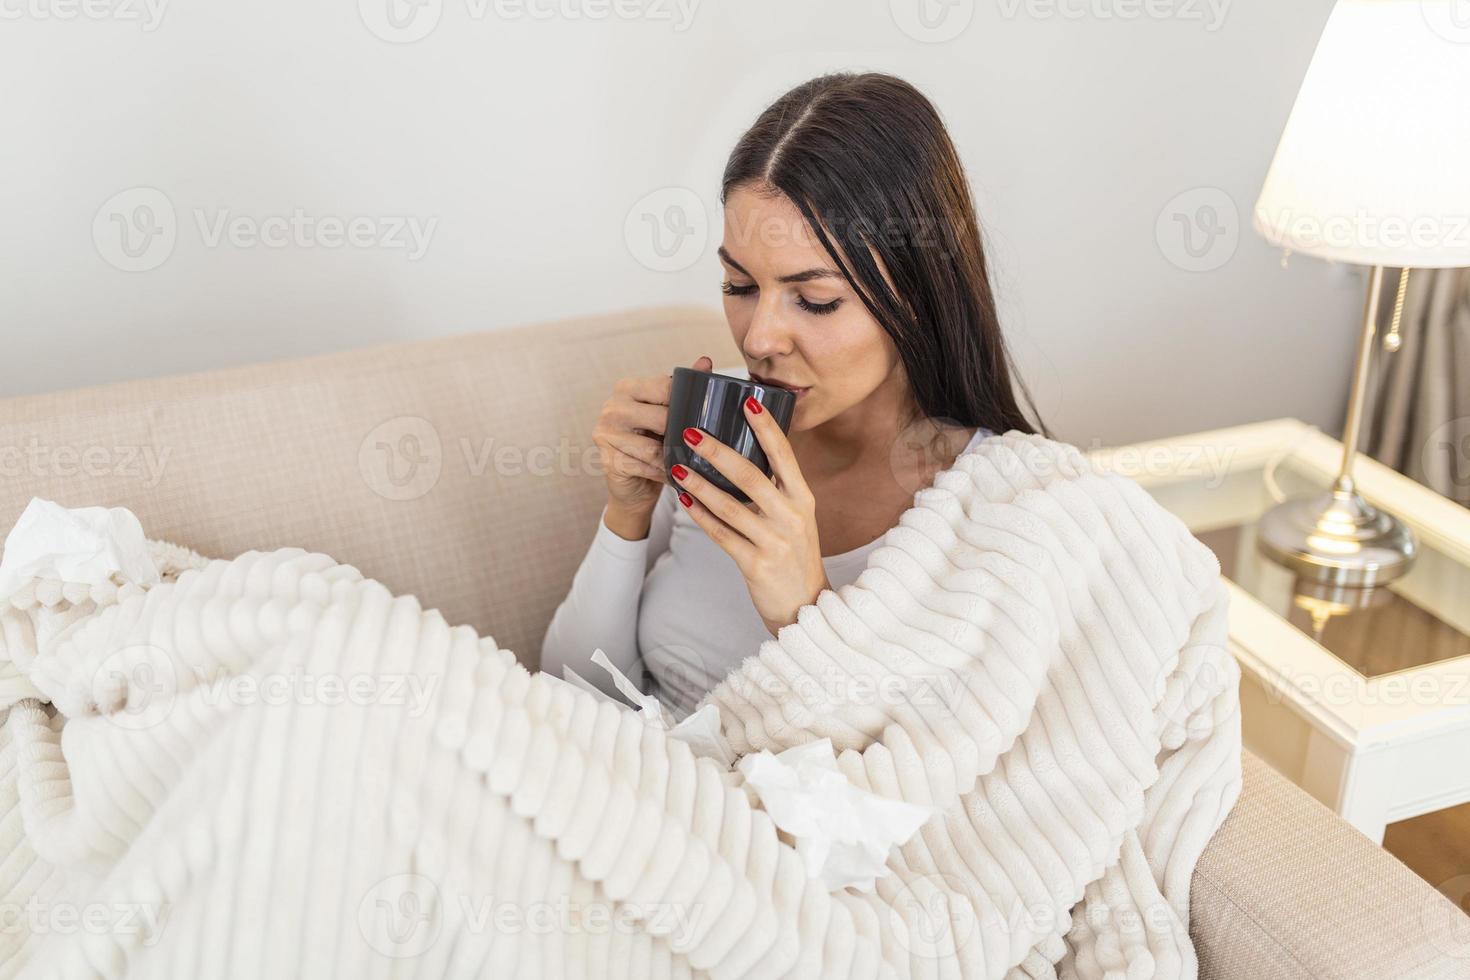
<point>273,767</point>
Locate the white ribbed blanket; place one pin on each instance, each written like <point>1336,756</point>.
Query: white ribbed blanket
<point>189,785</point>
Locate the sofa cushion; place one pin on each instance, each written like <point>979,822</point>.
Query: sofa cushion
<point>461,470</point>
<point>1287,890</point>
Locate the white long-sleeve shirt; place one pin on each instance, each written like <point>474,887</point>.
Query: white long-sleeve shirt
<point>670,610</point>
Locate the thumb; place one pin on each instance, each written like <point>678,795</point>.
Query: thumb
<point>703,363</point>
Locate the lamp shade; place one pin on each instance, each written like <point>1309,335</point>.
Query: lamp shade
<point>1373,166</point>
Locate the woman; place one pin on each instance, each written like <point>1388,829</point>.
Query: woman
<point>854,275</point>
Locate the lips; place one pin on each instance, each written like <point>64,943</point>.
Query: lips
<point>772,382</point>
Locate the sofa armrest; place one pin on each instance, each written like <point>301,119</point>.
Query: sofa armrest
<point>1286,889</point>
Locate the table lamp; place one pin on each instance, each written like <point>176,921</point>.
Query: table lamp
<point>1373,168</point>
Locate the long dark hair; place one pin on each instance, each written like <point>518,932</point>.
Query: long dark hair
<point>867,158</point>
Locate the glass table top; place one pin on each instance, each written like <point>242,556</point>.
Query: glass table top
<point>1374,631</point>
<point>1421,618</point>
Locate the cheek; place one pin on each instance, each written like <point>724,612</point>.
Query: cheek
<point>848,360</point>
<point>853,357</point>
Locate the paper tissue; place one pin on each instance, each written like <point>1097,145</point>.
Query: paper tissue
<point>843,833</point>
<point>85,545</point>
<point>700,730</point>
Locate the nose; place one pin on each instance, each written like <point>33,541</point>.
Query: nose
<point>767,336</point>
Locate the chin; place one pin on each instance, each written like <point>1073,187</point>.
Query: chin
<point>803,417</point>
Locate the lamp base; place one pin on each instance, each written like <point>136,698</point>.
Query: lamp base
<point>1337,538</point>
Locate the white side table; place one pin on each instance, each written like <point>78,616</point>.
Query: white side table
<point>1363,699</point>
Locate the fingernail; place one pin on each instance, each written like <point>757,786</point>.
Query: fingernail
<point>753,405</point>
<point>692,436</point>
<point>679,472</point>
<point>685,499</point>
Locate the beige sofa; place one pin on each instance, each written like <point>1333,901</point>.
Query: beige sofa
<point>462,470</point>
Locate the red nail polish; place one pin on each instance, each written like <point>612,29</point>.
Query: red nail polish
<point>679,472</point>
<point>753,405</point>
<point>692,436</point>
<point>685,499</point>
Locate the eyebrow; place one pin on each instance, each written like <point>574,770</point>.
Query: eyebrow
<point>806,276</point>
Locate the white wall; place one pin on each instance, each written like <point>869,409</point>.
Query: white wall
<point>528,140</point>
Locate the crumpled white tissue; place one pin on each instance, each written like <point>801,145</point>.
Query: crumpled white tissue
<point>843,833</point>
<point>700,730</point>
<point>86,545</point>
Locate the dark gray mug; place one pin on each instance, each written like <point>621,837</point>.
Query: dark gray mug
<point>716,404</point>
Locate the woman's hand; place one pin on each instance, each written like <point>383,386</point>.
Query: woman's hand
<point>629,437</point>
<point>773,543</point>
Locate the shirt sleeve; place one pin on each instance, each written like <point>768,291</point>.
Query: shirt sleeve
<point>601,609</point>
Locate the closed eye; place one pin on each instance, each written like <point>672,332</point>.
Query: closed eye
<point>816,309</point>
<point>820,309</point>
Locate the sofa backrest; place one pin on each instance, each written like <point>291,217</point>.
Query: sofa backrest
<point>461,470</point>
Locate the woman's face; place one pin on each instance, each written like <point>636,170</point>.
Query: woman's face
<point>795,317</point>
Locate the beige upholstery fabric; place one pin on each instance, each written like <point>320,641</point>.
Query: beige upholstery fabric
<point>492,428</point>
<point>1286,890</point>
<point>488,507</point>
